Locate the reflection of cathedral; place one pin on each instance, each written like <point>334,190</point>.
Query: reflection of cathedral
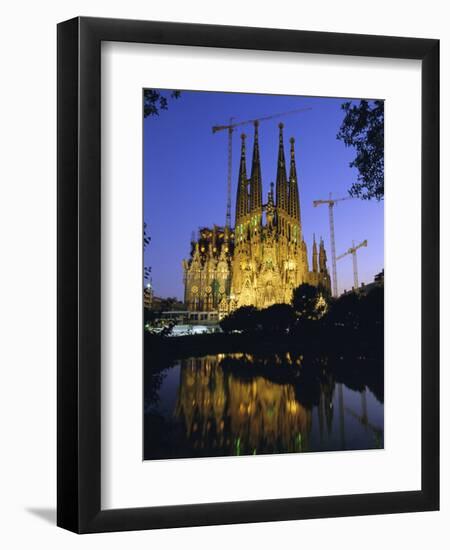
<point>217,405</point>
<point>264,258</point>
<point>234,416</point>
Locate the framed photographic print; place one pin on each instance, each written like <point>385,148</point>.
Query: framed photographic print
<point>247,274</point>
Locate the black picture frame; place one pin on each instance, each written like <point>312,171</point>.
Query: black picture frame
<point>79,280</point>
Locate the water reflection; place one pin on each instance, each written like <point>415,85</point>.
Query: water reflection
<point>239,416</point>
<point>235,404</point>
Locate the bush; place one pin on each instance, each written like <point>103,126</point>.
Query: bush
<point>345,311</point>
<point>358,310</point>
<point>278,318</point>
<point>245,319</point>
<point>310,302</point>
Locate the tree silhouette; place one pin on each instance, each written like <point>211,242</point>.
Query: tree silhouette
<point>277,318</point>
<point>155,101</point>
<point>306,301</point>
<point>363,129</point>
<point>244,319</point>
<point>345,311</point>
<point>147,269</point>
<point>372,308</point>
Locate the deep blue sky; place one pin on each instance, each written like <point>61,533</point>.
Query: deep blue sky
<point>185,174</point>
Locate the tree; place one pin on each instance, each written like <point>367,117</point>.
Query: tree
<point>345,311</point>
<point>363,129</point>
<point>147,269</point>
<point>171,304</point>
<point>155,101</point>
<point>309,301</point>
<point>278,318</point>
<point>372,307</point>
<point>245,319</point>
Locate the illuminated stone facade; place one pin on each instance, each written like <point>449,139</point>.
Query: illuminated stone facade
<point>233,416</point>
<point>265,257</point>
<point>207,274</point>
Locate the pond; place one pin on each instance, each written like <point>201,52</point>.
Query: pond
<point>241,404</point>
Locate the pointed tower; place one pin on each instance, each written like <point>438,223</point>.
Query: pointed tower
<point>281,184</point>
<point>294,201</point>
<point>322,257</point>
<point>196,256</point>
<point>255,178</point>
<point>314,256</point>
<point>270,208</point>
<point>242,199</point>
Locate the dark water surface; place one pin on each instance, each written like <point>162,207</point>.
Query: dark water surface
<point>238,404</point>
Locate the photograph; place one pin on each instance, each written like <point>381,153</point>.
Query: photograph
<point>201,205</point>
<point>263,297</point>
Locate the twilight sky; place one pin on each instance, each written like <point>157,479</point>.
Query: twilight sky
<point>185,177</point>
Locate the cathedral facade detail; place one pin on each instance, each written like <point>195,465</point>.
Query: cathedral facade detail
<point>265,257</point>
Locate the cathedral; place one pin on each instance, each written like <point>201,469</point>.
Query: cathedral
<point>264,257</point>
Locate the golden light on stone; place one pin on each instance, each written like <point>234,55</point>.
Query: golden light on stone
<point>256,412</point>
<point>268,258</point>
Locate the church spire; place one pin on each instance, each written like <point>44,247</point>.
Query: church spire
<point>270,207</point>
<point>314,255</point>
<point>281,186</point>
<point>255,178</point>
<point>294,202</point>
<point>322,257</point>
<point>242,193</point>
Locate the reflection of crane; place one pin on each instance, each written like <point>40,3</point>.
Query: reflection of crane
<point>363,418</point>
<point>331,202</point>
<point>352,250</point>
<point>230,127</point>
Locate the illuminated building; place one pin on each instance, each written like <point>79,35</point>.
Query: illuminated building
<point>148,296</point>
<point>264,258</point>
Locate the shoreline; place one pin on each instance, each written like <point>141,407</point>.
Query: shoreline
<point>281,359</point>
<point>342,342</point>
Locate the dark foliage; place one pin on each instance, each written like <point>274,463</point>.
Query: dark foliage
<point>345,311</point>
<point>152,385</point>
<point>364,311</point>
<point>305,301</point>
<point>146,237</point>
<point>363,129</point>
<point>155,101</point>
<point>374,306</point>
<point>150,315</point>
<point>246,318</point>
<point>171,304</point>
<point>277,318</point>
<point>147,269</point>
<point>353,323</point>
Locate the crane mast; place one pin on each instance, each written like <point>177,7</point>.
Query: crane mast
<point>352,250</point>
<point>230,128</point>
<point>355,269</point>
<point>331,202</point>
<point>229,173</point>
<point>333,249</point>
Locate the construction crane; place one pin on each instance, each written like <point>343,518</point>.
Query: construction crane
<point>331,202</point>
<point>352,250</point>
<point>230,128</point>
